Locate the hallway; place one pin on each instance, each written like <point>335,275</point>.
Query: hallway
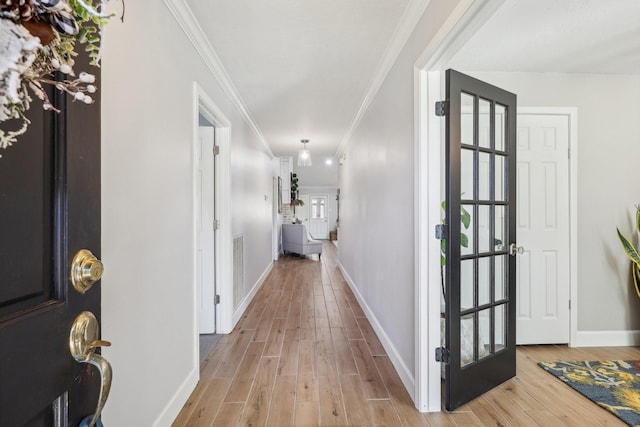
<point>305,354</point>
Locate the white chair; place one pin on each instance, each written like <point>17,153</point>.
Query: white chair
<point>296,239</point>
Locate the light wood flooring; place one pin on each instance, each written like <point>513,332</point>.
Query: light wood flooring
<point>304,354</point>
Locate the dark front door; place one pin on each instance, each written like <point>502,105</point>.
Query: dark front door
<point>480,213</point>
<point>49,211</point>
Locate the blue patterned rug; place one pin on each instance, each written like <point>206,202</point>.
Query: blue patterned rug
<point>612,384</point>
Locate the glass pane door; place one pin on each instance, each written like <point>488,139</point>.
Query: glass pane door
<point>480,274</point>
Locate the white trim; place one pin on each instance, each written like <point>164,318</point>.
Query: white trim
<point>463,22</point>
<point>412,14</point>
<point>172,409</point>
<point>427,201</point>
<point>189,24</point>
<point>572,115</point>
<point>238,312</point>
<point>204,105</point>
<point>403,370</point>
<point>607,338</point>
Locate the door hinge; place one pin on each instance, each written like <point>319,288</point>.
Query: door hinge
<point>441,231</point>
<point>568,153</point>
<point>442,355</point>
<point>442,108</point>
<point>216,150</point>
<point>216,300</point>
<point>216,224</point>
<point>569,304</point>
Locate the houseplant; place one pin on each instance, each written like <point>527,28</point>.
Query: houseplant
<point>465,221</point>
<point>632,253</point>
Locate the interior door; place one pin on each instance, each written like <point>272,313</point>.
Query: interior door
<point>480,218</point>
<point>543,229</point>
<point>319,218</point>
<point>206,230</point>
<point>49,211</point>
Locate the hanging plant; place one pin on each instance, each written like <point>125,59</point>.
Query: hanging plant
<point>37,39</point>
<point>632,253</point>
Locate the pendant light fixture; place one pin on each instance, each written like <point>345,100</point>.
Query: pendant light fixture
<point>304,155</point>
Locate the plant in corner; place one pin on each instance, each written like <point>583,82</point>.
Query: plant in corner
<point>632,253</point>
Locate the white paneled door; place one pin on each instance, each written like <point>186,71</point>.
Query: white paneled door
<point>206,230</point>
<point>319,216</point>
<point>543,229</point>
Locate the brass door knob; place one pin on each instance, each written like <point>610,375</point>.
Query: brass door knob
<point>86,270</point>
<point>83,341</point>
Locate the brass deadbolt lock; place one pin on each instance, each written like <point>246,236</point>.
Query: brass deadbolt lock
<point>86,270</point>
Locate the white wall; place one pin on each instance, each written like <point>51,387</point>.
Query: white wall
<point>377,231</point>
<point>148,296</point>
<point>608,184</point>
<point>318,175</point>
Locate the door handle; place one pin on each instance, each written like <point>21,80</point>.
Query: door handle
<point>515,250</point>
<point>83,341</point>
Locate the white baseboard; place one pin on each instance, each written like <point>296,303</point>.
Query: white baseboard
<point>238,312</point>
<point>175,405</point>
<point>403,371</point>
<point>606,339</point>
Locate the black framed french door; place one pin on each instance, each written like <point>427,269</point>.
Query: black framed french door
<point>480,235</point>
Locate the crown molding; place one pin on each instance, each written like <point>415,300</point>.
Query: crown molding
<point>405,27</point>
<point>187,21</point>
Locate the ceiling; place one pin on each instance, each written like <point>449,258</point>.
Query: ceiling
<point>566,36</point>
<point>303,68</point>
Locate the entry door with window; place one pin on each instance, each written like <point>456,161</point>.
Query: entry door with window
<point>319,217</point>
<point>480,237</point>
<point>49,228</point>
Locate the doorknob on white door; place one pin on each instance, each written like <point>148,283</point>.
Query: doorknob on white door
<point>515,250</point>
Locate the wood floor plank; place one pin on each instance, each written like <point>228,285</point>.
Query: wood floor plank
<point>242,382</point>
<point>375,347</point>
<point>332,411</point>
<point>283,402</point>
<point>307,389</point>
<point>384,414</point>
<point>256,409</point>
<point>399,396</point>
<point>342,350</point>
<point>350,324</point>
<point>295,311</point>
<point>355,405</point>
<point>333,312</point>
<point>307,414</point>
<point>204,413</point>
<point>228,415</point>
<point>289,356</point>
<point>276,337</point>
<point>372,383</point>
<point>234,353</point>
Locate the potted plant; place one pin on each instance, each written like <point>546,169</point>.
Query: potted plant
<point>294,187</point>
<point>632,253</point>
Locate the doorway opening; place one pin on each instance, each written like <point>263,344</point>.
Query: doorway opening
<point>429,84</point>
<point>213,294</point>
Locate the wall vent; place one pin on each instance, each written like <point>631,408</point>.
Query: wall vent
<point>238,269</point>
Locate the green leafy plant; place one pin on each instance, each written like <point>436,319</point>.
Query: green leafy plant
<point>632,253</point>
<point>465,221</point>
